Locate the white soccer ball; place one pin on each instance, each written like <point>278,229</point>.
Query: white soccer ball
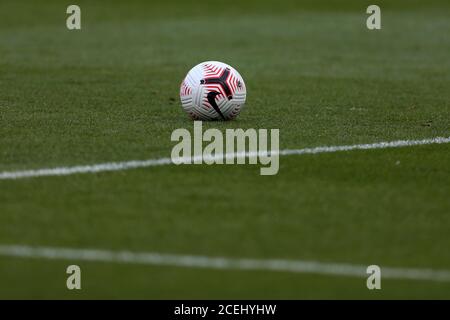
<point>213,90</point>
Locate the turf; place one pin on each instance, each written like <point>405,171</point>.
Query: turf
<point>110,93</point>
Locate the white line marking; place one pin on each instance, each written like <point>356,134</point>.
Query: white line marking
<point>117,166</point>
<point>158,259</point>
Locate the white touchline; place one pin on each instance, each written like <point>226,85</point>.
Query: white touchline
<point>117,166</point>
<point>192,261</point>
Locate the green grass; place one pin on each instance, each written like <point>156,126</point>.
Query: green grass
<point>110,93</point>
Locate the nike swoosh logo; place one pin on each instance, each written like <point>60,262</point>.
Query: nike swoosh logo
<point>212,101</point>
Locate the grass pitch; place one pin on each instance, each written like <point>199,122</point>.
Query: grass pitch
<point>110,93</point>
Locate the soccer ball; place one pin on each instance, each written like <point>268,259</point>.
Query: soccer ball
<point>213,91</point>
